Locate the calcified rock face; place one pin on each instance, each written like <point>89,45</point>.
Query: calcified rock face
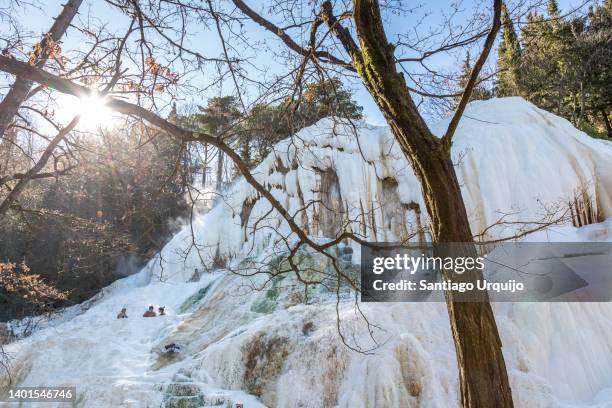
<point>271,342</point>
<point>511,158</point>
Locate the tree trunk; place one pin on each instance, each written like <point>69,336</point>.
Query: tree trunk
<point>582,105</point>
<point>482,370</point>
<point>21,87</point>
<point>184,169</point>
<point>607,122</point>
<point>205,165</point>
<point>220,158</point>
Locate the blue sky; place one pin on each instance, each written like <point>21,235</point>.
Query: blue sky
<point>431,14</point>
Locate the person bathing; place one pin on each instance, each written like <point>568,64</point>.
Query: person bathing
<point>150,312</point>
<point>195,277</point>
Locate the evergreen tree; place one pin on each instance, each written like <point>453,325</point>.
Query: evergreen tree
<point>595,58</point>
<point>480,92</point>
<point>509,54</point>
<point>219,118</point>
<point>553,9</point>
<point>565,66</point>
<point>326,98</point>
<point>268,124</point>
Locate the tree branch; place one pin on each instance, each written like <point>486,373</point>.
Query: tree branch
<point>49,174</point>
<point>42,161</point>
<point>469,87</point>
<point>20,88</point>
<point>344,35</point>
<point>289,42</point>
<point>63,85</point>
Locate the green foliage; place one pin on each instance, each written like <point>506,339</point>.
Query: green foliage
<point>77,230</point>
<point>553,9</point>
<point>509,53</point>
<point>268,124</point>
<point>327,98</point>
<point>221,117</point>
<point>127,181</point>
<point>561,64</point>
<point>253,134</point>
<point>593,131</point>
<point>219,114</point>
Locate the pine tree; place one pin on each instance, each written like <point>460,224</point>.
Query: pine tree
<point>325,98</point>
<point>218,118</point>
<point>563,65</point>
<point>480,92</point>
<point>594,57</point>
<point>539,70</point>
<point>268,124</point>
<point>509,54</point>
<point>553,9</point>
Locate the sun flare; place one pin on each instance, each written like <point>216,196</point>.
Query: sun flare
<point>92,109</point>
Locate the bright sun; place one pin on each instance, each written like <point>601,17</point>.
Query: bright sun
<point>92,109</point>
